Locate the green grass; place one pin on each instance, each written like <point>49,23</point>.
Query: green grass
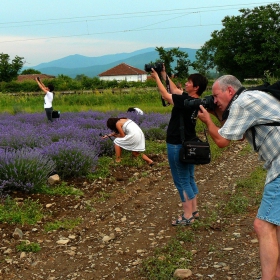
<point>246,150</point>
<point>148,101</point>
<point>26,212</point>
<point>167,259</point>
<point>155,147</point>
<point>26,246</point>
<point>247,192</point>
<point>102,169</point>
<point>61,189</point>
<point>102,196</point>
<point>64,224</point>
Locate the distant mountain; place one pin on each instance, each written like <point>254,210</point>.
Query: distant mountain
<point>74,65</point>
<point>80,61</point>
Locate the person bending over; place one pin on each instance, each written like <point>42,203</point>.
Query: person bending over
<point>129,136</point>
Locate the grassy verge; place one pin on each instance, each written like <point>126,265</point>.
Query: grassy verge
<point>148,101</point>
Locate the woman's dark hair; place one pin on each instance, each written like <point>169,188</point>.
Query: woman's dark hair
<point>131,109</point>
<point>51,87</point>
<point>199,81</point>
<point>111,123</point>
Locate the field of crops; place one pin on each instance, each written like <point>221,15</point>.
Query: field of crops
<point>31,148</point>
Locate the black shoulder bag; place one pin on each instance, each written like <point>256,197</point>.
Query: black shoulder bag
<point>194,151</point>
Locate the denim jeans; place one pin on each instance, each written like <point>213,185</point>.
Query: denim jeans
<point>182,173</point>
<point>269,210</point>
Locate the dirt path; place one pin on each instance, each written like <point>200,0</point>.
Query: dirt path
<point>126,217</point>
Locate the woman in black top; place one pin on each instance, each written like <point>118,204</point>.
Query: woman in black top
<point>183,174</point>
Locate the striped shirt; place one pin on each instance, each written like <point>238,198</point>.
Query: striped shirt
<point>253,108</point>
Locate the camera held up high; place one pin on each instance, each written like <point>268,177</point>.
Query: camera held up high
<point>158,67</point>
<point>207,102</point>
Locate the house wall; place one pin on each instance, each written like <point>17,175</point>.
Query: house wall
<point>129,78</point>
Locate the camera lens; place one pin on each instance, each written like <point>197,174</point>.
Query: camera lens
<point>148,67</point>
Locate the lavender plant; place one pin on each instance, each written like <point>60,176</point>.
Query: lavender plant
<point>72,158</point>
<point>31,147</point>
<point>25,169</point>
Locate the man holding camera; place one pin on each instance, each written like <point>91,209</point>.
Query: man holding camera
<point>251,114</point>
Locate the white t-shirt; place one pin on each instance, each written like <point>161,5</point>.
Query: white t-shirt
<point>139,111</point>
<point>48,99</point>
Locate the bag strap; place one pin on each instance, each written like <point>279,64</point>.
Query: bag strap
<point>182,129</point>
<point>254,133</point>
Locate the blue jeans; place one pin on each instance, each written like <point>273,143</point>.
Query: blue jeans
<point>269,210</point>
<point>182,173</point>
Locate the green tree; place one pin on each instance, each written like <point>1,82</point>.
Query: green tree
<point>30,71</point>
<point>204,62</point>
<point>9,70</point>
<point>168,56</point>
<point>80,77</point>
<point>247,45</point>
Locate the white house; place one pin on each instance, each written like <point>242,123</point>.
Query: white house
<point>124,72</point>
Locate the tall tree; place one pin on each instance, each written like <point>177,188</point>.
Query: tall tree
<point>9,70</point>
<point>169,56</point>
<point>247,45</point>
<point>204,62</point>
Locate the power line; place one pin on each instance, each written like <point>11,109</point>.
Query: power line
<point>123,15</point>
<point>109,32</point>
<point>128,15</point>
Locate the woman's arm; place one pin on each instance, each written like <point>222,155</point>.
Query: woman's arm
<point>164,93</point>
<point>41,85</point>
<point>173,88</point>
<point>119,125</point>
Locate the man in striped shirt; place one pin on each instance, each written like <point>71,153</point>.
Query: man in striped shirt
<point>244,110</point>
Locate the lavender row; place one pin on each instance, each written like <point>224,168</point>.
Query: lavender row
<point>31,148</point>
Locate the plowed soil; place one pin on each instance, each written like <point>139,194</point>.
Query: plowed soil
<point>126,216</point>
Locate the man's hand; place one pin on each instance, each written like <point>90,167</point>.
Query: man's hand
<point>203,115</point>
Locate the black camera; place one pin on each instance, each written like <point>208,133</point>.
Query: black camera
<point>158,67</point>
<point>207,103</point>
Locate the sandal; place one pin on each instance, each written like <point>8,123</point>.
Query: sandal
<point>183,221</point>
<point>194,215</point>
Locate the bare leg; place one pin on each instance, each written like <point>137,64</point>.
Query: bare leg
<point>187,208</point>
<point>194,207</point>
<point>147,159</point>
<point>278,263</point>
<point>269,250</point>
<point>118,151</point>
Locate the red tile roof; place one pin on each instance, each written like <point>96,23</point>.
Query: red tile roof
<point>122,69</point>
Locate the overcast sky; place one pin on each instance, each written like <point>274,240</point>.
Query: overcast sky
<point>42,31</point>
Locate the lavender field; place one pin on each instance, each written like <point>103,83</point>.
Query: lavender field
<point>32,148</point>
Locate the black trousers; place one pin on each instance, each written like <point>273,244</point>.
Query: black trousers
<point>49,113</point>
